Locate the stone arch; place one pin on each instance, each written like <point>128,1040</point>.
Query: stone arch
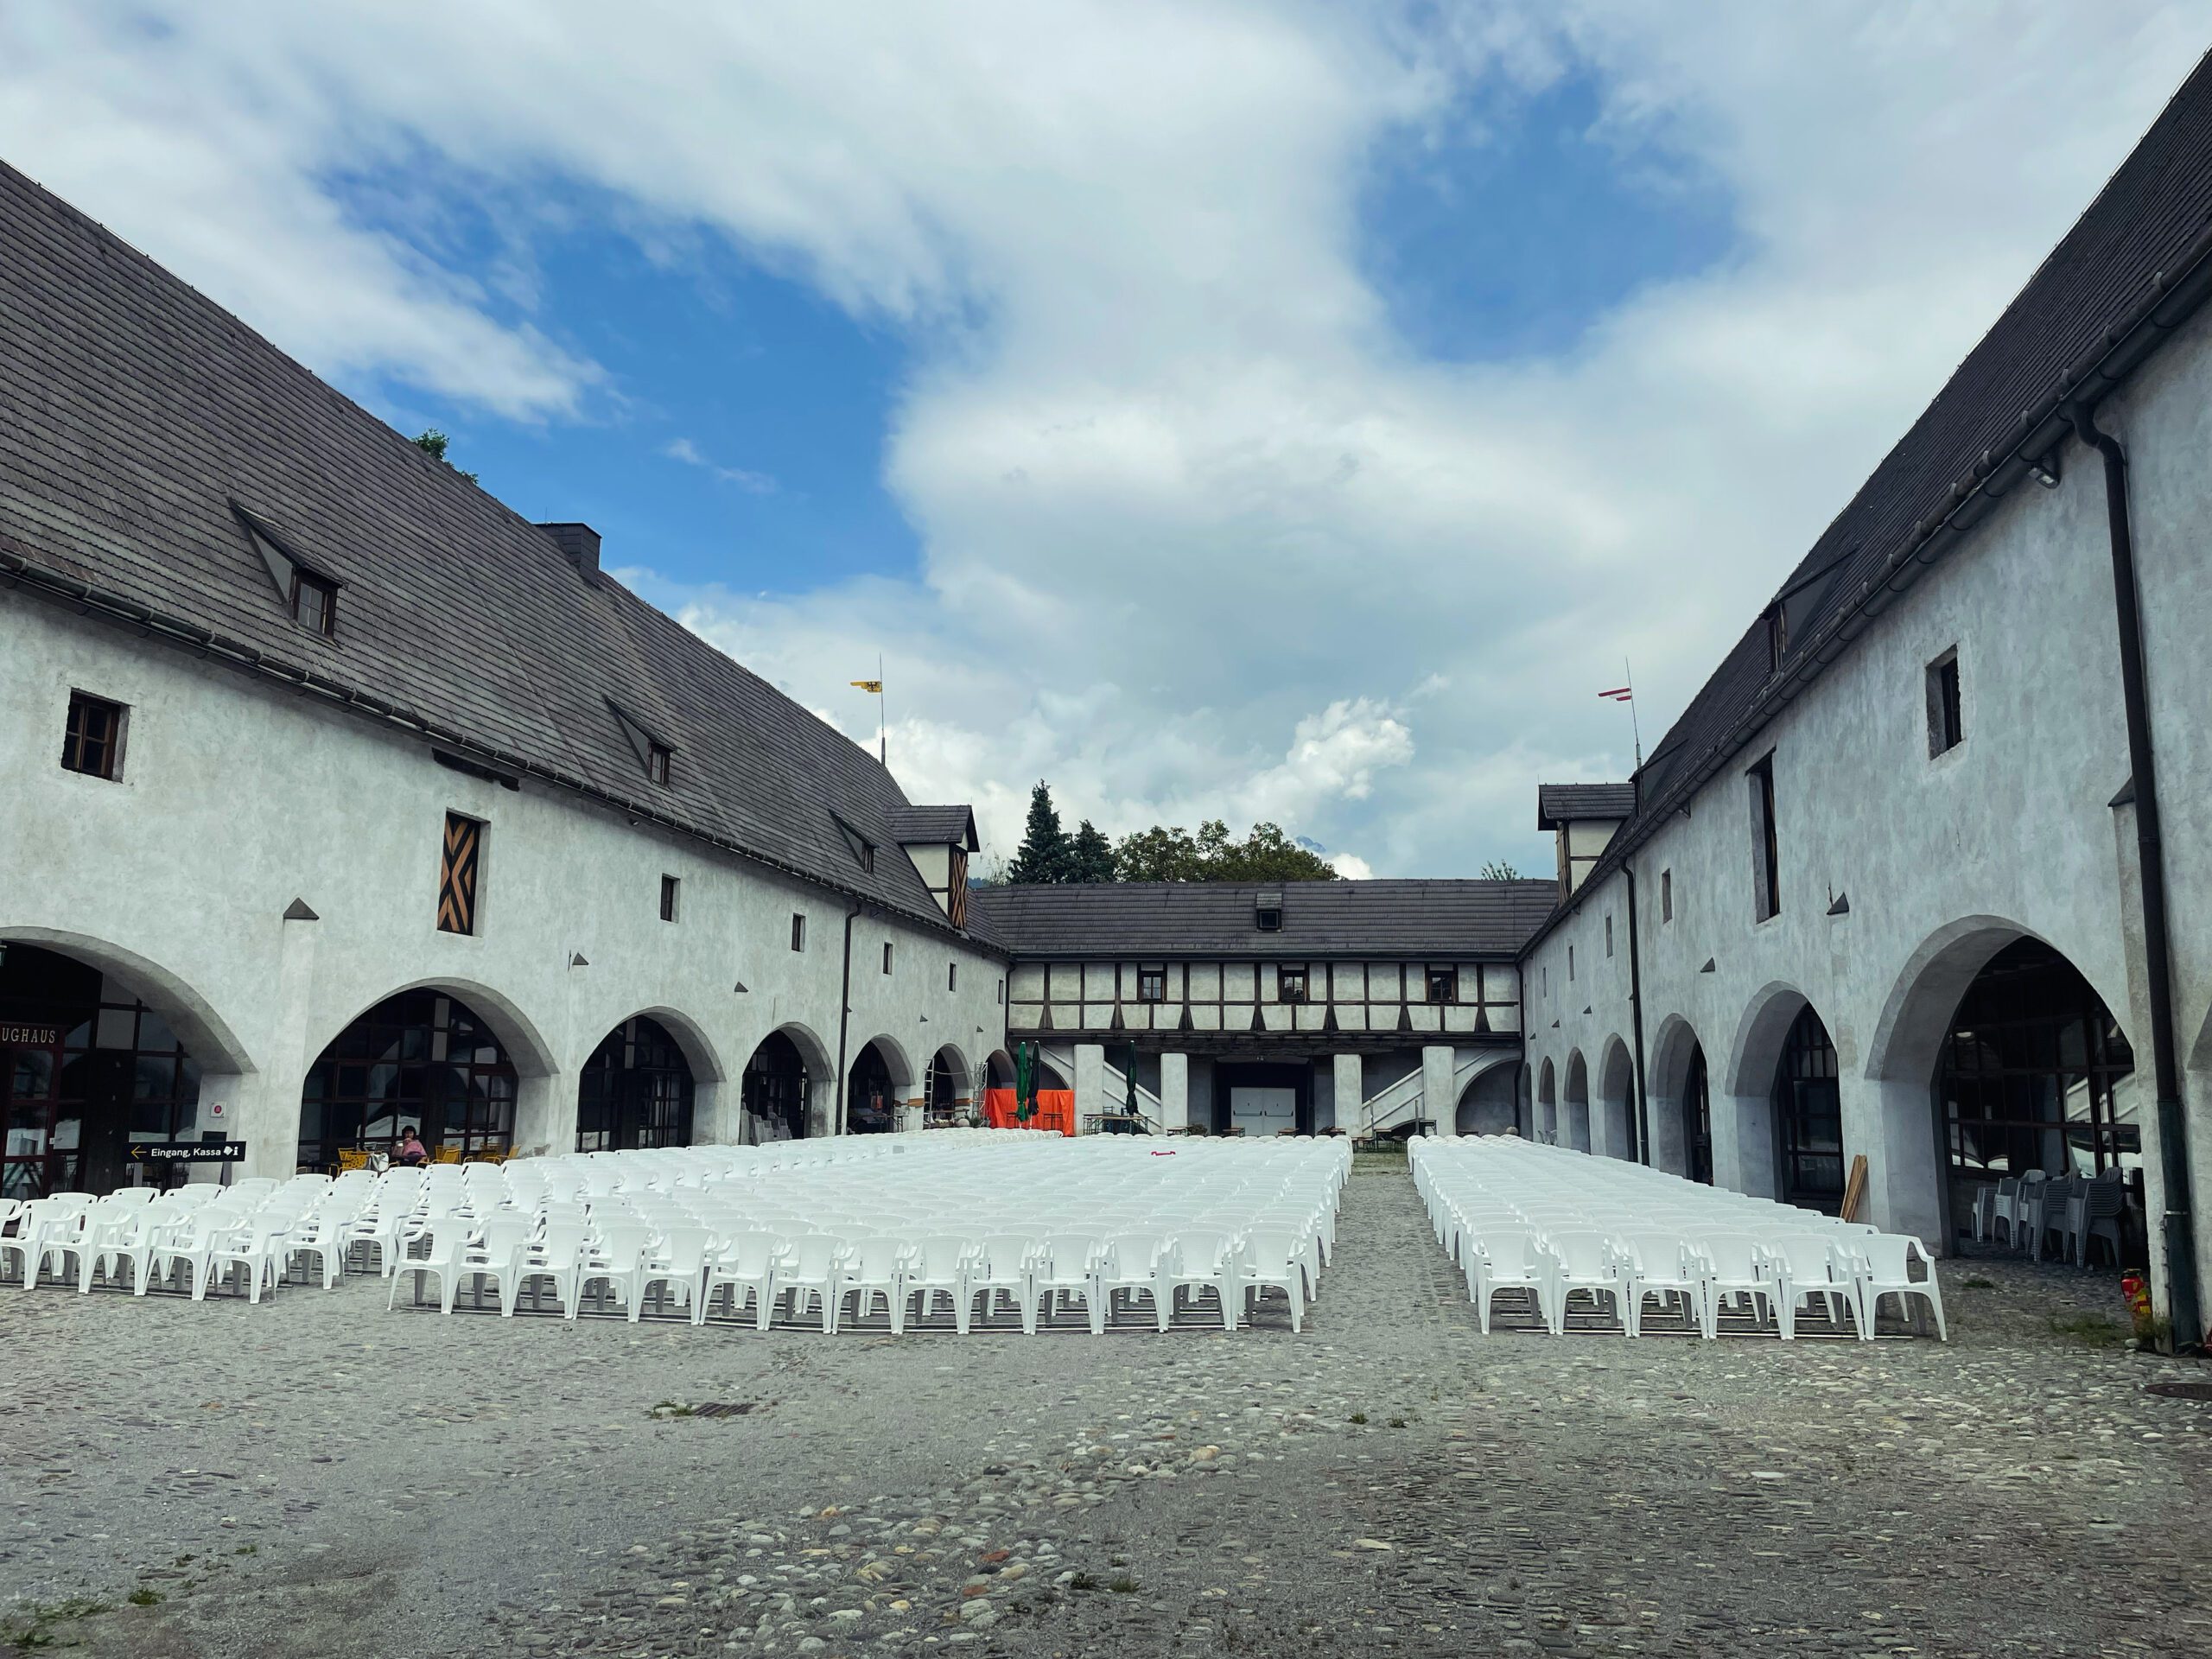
<point>1546,1105</point>
<point>998,1068</point>
<point>880,1079</point>
<point>106,1048</point>
<point>206,1034</point>
<point>788,1088</point>
<point>526,1047</point>
<point>1909,1158</point>
<point>949,1090</point>
<point>655,1108</point>
<point>1488,1105</point>
<point>1612,1116</point>
<point>418,1055</point>
<point>1574,1109</point>
<point>1680,1104</point>
<point>1743,1127</point>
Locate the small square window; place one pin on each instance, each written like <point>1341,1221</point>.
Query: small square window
<point>1946,725</point>
<point>314,603</point>
<point>660,762</point>
<point>1666,895</point>
<point>670,887</point>
<point>1290,984</point>
<point>1544,979</point>
<point>1151,984</point>
<point>887,956</point>
<point>1002,993</point>
<point>92,743</point>
<point>1609,936</point>
<point>1443,985</point>
<point>951,976</point>
<point>799,931</point>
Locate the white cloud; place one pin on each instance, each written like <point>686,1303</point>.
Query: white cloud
<point>753,483</point>
<point>1201,536</point>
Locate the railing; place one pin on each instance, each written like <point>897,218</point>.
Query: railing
<point>1399,1101</point>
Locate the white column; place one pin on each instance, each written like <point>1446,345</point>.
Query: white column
<point>1175,1092</point>
<point>1437,1101</point>
<point>1346,1079</point>
<point>1089,1081</point>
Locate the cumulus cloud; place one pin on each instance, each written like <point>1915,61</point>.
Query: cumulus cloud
<point>1202,536</point>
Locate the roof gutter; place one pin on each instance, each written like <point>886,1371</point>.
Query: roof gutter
<point>2176,1231</point>
<point>2173,300</point>
<point>87,600</point>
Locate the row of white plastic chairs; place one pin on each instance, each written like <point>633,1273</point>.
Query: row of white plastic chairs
<point>1549,1225</point>
<point>1031,1228</point>
<point>1232,1223</point>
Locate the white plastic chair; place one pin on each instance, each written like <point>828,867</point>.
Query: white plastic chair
<point>1273,1260</point>
<point>744,1265</point>
<point>1506,1258</point>
<point>1197,1260</point>
<point>616,1260</point>
<point>1882,1266</point>
<point>256,1244</point>
<point>1804,1265</point>
<point>1130,1264</point>
<point>808,1270</point>
<point>939,1267</point>
<point>874,1268</point>
<point>1582,1259</point>
<point>1661,1264</point>
<point>1731,1270</point>
<point>1001,1267</point>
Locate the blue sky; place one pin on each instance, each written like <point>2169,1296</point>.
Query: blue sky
<point>1286,411</point>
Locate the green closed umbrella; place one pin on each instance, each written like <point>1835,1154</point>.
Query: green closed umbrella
<point>1024,1081</point>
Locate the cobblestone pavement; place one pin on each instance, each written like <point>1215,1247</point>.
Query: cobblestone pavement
<point>320,1477</point>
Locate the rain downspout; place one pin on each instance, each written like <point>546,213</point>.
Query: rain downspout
<point>1636,1021</point>
<point>844,1023</point>
<point>2176,1228</point>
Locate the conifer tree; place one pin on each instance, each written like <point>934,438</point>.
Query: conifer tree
<point>1043,857</point>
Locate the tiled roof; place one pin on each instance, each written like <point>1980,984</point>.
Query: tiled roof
<point>1557,804</point>
<point>2134,266</point>
<point>134,413</point>
<point>1445,920</point>
<point>950,824</point>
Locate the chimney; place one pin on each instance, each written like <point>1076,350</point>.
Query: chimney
<point>579,543</point>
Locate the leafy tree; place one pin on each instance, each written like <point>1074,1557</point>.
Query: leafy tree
<point>1499,870</point>
<point>1172,854</point>
<point>1090,855</point>
<point>1043,854</point>
<point>432,442</point>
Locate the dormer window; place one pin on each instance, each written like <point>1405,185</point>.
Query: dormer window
<point>1777,637</point>
<point>314,603</point>
<point>658,761</point>
<point>1268,912</point>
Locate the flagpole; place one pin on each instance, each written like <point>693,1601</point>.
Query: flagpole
<point>1635,725</point>
<point>883,718</point>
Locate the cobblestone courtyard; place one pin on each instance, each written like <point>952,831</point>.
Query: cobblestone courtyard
<point>319,1477</point>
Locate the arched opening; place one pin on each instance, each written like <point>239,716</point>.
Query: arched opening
<point>1524,1103</point>
<point>1807,1099</point>
<point>1574,1126</point>
<point>1487,1104</point>
<point>2035,1073</point>
<point>1613,1125</point>
<point>949,1093</point>
<point>876,1088</point>
<point>1681,1105</point>
<point>1547,1106</point>
<point>636,1091</point>
<point>422,1061</point>
<point>89,1070</point>
<point>775,1092</point>
<point>999,1070</point>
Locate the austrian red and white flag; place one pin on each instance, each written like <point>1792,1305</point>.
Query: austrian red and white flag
<point>1619,694</point>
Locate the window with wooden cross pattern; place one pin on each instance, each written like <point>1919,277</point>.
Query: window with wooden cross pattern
<point>464,848</point>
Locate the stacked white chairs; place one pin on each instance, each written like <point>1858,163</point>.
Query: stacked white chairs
<point>1590,1243</point>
